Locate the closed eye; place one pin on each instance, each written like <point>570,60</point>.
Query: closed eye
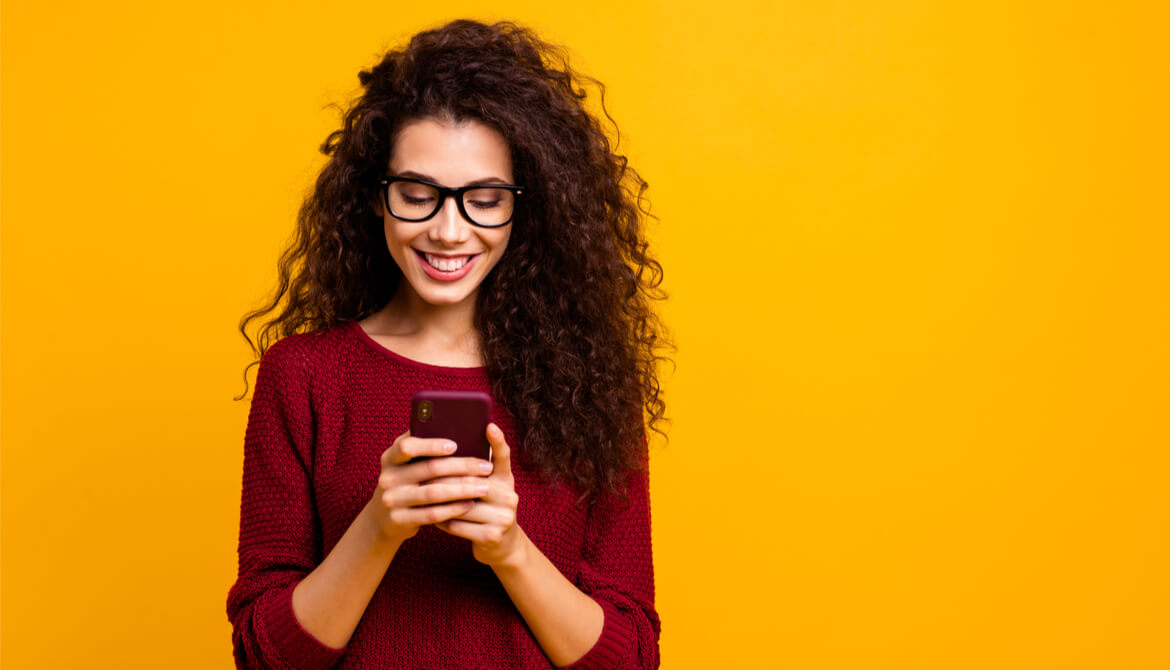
<point>485,204</point>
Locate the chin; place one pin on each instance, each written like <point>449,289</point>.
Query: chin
<point>445,298</point>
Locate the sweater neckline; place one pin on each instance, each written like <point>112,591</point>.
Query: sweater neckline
<point>373,344</point>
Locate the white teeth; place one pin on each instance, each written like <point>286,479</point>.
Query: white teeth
<point>446,264</point>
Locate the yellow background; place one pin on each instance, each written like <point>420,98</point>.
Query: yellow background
<point>918,259</point>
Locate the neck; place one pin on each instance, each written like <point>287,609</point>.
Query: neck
<point>445,326</point>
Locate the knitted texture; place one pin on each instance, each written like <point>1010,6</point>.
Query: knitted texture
<point>326,405</point>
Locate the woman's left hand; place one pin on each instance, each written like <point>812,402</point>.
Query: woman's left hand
<point>491,522</point>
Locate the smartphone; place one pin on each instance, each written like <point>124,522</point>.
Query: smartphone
<point>459,416</point>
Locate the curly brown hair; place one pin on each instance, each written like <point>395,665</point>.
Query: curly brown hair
<point>569,338</point>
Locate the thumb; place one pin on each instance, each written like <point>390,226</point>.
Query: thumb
<point>501,452</point>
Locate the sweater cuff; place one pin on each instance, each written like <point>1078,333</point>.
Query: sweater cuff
<point>617,637</point>
<point>295,645</point>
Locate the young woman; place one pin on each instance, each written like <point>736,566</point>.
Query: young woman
<point>473,230</point>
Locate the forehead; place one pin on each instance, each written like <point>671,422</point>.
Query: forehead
<point>450,153</point>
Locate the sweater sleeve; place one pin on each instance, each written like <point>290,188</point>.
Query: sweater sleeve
<point>279,535</point>
<point>618,572</point>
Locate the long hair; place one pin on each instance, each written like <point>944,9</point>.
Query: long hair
<point>569,338</point>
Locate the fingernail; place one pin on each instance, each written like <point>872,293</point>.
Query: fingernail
<point>449,447</point>
<point>485,467</point>
<point>482,489</point>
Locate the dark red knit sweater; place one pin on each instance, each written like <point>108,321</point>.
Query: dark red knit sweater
<point>326,405</point>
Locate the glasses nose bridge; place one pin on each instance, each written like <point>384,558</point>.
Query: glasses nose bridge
<point>449,217</point>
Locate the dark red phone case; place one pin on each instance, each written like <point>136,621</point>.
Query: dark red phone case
<point>460,416</point>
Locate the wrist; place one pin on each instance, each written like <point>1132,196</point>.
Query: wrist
<point>517,556</point>
<point>379,536</point>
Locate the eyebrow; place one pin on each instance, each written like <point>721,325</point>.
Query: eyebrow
<point>485,181</point>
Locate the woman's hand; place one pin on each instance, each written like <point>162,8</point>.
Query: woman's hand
<point>490,524</point>
<point>429,491</point>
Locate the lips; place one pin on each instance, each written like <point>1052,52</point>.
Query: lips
<point>445,267</point>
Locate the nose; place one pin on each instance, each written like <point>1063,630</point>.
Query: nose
<point>448,226</point>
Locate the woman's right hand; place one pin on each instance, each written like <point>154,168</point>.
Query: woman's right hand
<point>331,600</point>
<point>438,488</point>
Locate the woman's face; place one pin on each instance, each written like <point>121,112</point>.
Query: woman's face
<point>445,258</point>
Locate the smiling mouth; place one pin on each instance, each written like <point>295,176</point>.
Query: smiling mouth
<point>445,263</point>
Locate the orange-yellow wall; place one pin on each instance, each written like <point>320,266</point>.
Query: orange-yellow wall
<point>920,272</point>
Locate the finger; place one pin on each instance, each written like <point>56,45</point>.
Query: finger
<point>407,448</point>
<point>501,452</point>
<point>420,516</point>
<point>453,527</point>
<point>453,480</point>
<point>499,492</point>
<point>449,466</point>
<point>431,494</point>
<point>445,526</point>
<point>476,532</point>
<point>488,514</point>
<point>502,494</point>
<point>388,455</point>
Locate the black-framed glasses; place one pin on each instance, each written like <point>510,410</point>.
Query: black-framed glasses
<point>486,205</point>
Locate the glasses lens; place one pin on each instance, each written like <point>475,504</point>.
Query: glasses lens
<point>489,206</point>
<point>410,200</point>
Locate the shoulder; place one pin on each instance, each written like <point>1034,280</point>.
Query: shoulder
<point>300,357</point>
<point>305,347</point>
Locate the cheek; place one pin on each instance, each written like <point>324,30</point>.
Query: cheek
<point>398,238</point>
<point>500,245</point>
<point>391,240</point>
<point>496,246</point>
